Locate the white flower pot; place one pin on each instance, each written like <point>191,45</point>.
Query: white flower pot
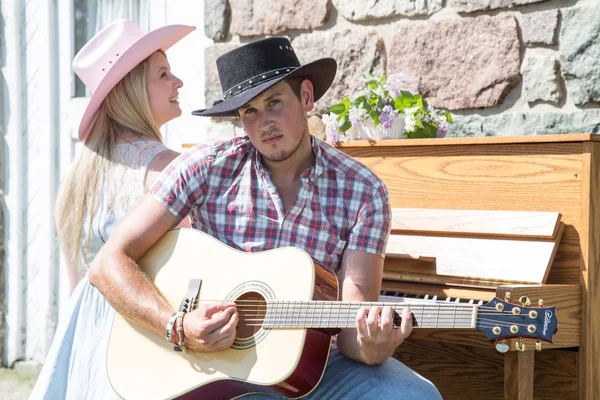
<point>369,132</point>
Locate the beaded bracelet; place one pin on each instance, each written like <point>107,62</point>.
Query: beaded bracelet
<point>169,333</point>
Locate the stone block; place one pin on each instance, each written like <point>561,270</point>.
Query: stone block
<point>526,123</point>
<point>267,17</point>
<point>539,28</point>
<point>217,17</point>
<point>482,5</point>
<point>541,79</point>
<point>458,63</point>
<point>361,10</point>
<point>580,52</point>
<point>357,51</point>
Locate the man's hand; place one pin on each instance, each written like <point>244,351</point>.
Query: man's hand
<point>377,338</point>
<point>211,328</point>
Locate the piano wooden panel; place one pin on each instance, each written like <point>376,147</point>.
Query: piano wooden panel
<point>555,173</point>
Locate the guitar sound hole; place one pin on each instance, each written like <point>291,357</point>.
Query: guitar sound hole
<point>252,309</point>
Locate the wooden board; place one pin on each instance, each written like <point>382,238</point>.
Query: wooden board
<point>560,138</point>
<point>482,258</point>
<point>590,265</point>
<point>566,299</point>
<point>472,373</point>
<point>487,223</point>
<point>496,176</point>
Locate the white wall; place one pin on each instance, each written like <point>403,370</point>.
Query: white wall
<point>14,180</point>
<point>30,155</point>
<point>187,61</point>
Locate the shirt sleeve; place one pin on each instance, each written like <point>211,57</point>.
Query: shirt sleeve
<point>372,229</point>
<point>183,183</point>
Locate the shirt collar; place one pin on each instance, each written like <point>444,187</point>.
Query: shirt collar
<point>310,174</point>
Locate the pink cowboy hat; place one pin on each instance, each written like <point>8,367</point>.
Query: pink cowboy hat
<point>112,53</point>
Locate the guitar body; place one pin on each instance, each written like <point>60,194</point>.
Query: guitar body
<point>288,362</point>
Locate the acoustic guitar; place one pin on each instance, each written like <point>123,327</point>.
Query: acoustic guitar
<point>288,310</point>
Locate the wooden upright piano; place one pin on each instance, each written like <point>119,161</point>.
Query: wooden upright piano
<point>551,173</point>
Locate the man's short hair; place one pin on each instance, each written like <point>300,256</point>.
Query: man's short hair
<point>295,83</point>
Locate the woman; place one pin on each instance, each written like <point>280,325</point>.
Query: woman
<point>134,94</point>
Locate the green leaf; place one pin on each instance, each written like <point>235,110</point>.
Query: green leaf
<point>398,105</point>
<point>448,117</point>
<point>419,100</point>
<point>346,101</point>
<point>370,79</point>
<point>360,100</point>
<point>406,93</point>
<point>344,124</point>
<point>427,132</point>
<point>382,80</point>
<point>407,98</point>
<point>376,119</point>
<point>338,109</point>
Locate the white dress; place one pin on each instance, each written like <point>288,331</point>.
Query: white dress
<point>75,367</point>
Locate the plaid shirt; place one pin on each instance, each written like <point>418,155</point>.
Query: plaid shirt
<point>229,194</point>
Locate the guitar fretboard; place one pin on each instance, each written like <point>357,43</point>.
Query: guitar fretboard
<point>323,314</point>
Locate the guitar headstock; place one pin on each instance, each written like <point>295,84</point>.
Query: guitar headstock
<point>501,320</point>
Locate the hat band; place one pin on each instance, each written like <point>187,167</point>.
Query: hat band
<point>256,80</point>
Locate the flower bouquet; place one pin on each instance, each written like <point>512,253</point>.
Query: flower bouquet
<point>385,108</point>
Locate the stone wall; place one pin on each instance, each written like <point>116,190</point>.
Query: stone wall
<point>502,67</point>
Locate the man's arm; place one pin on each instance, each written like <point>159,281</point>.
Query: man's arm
<point>126,287</point>
<point>371,342</point>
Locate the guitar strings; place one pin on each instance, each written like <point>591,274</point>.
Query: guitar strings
<point>312,313</point>
<point>260,305</point>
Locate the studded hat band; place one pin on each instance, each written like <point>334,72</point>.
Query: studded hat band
<point>257,80</point>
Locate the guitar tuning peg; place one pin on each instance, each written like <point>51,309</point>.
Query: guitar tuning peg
<point>541,303</point>
<point>501,346</point>
<point>507,297</point>
<point>520,346</point>
<point>538,345</point>
<point>524,300</point>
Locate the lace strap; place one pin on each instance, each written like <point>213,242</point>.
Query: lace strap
<point>139,155</point>
<point>153,149</point>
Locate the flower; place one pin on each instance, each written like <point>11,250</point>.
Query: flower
<point>383,100</point>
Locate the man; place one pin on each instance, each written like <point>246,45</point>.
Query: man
<point>278,186</point>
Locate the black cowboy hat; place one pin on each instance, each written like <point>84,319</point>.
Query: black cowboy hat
<point>249,70</point>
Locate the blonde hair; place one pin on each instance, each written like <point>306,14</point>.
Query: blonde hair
<point>125,108</point>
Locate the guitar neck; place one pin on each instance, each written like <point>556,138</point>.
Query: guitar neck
<point>335,314</point>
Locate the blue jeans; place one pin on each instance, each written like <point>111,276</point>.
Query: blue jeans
<point>346,379</point>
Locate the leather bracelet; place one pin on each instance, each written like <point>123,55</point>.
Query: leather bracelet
<point>180,335</point>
